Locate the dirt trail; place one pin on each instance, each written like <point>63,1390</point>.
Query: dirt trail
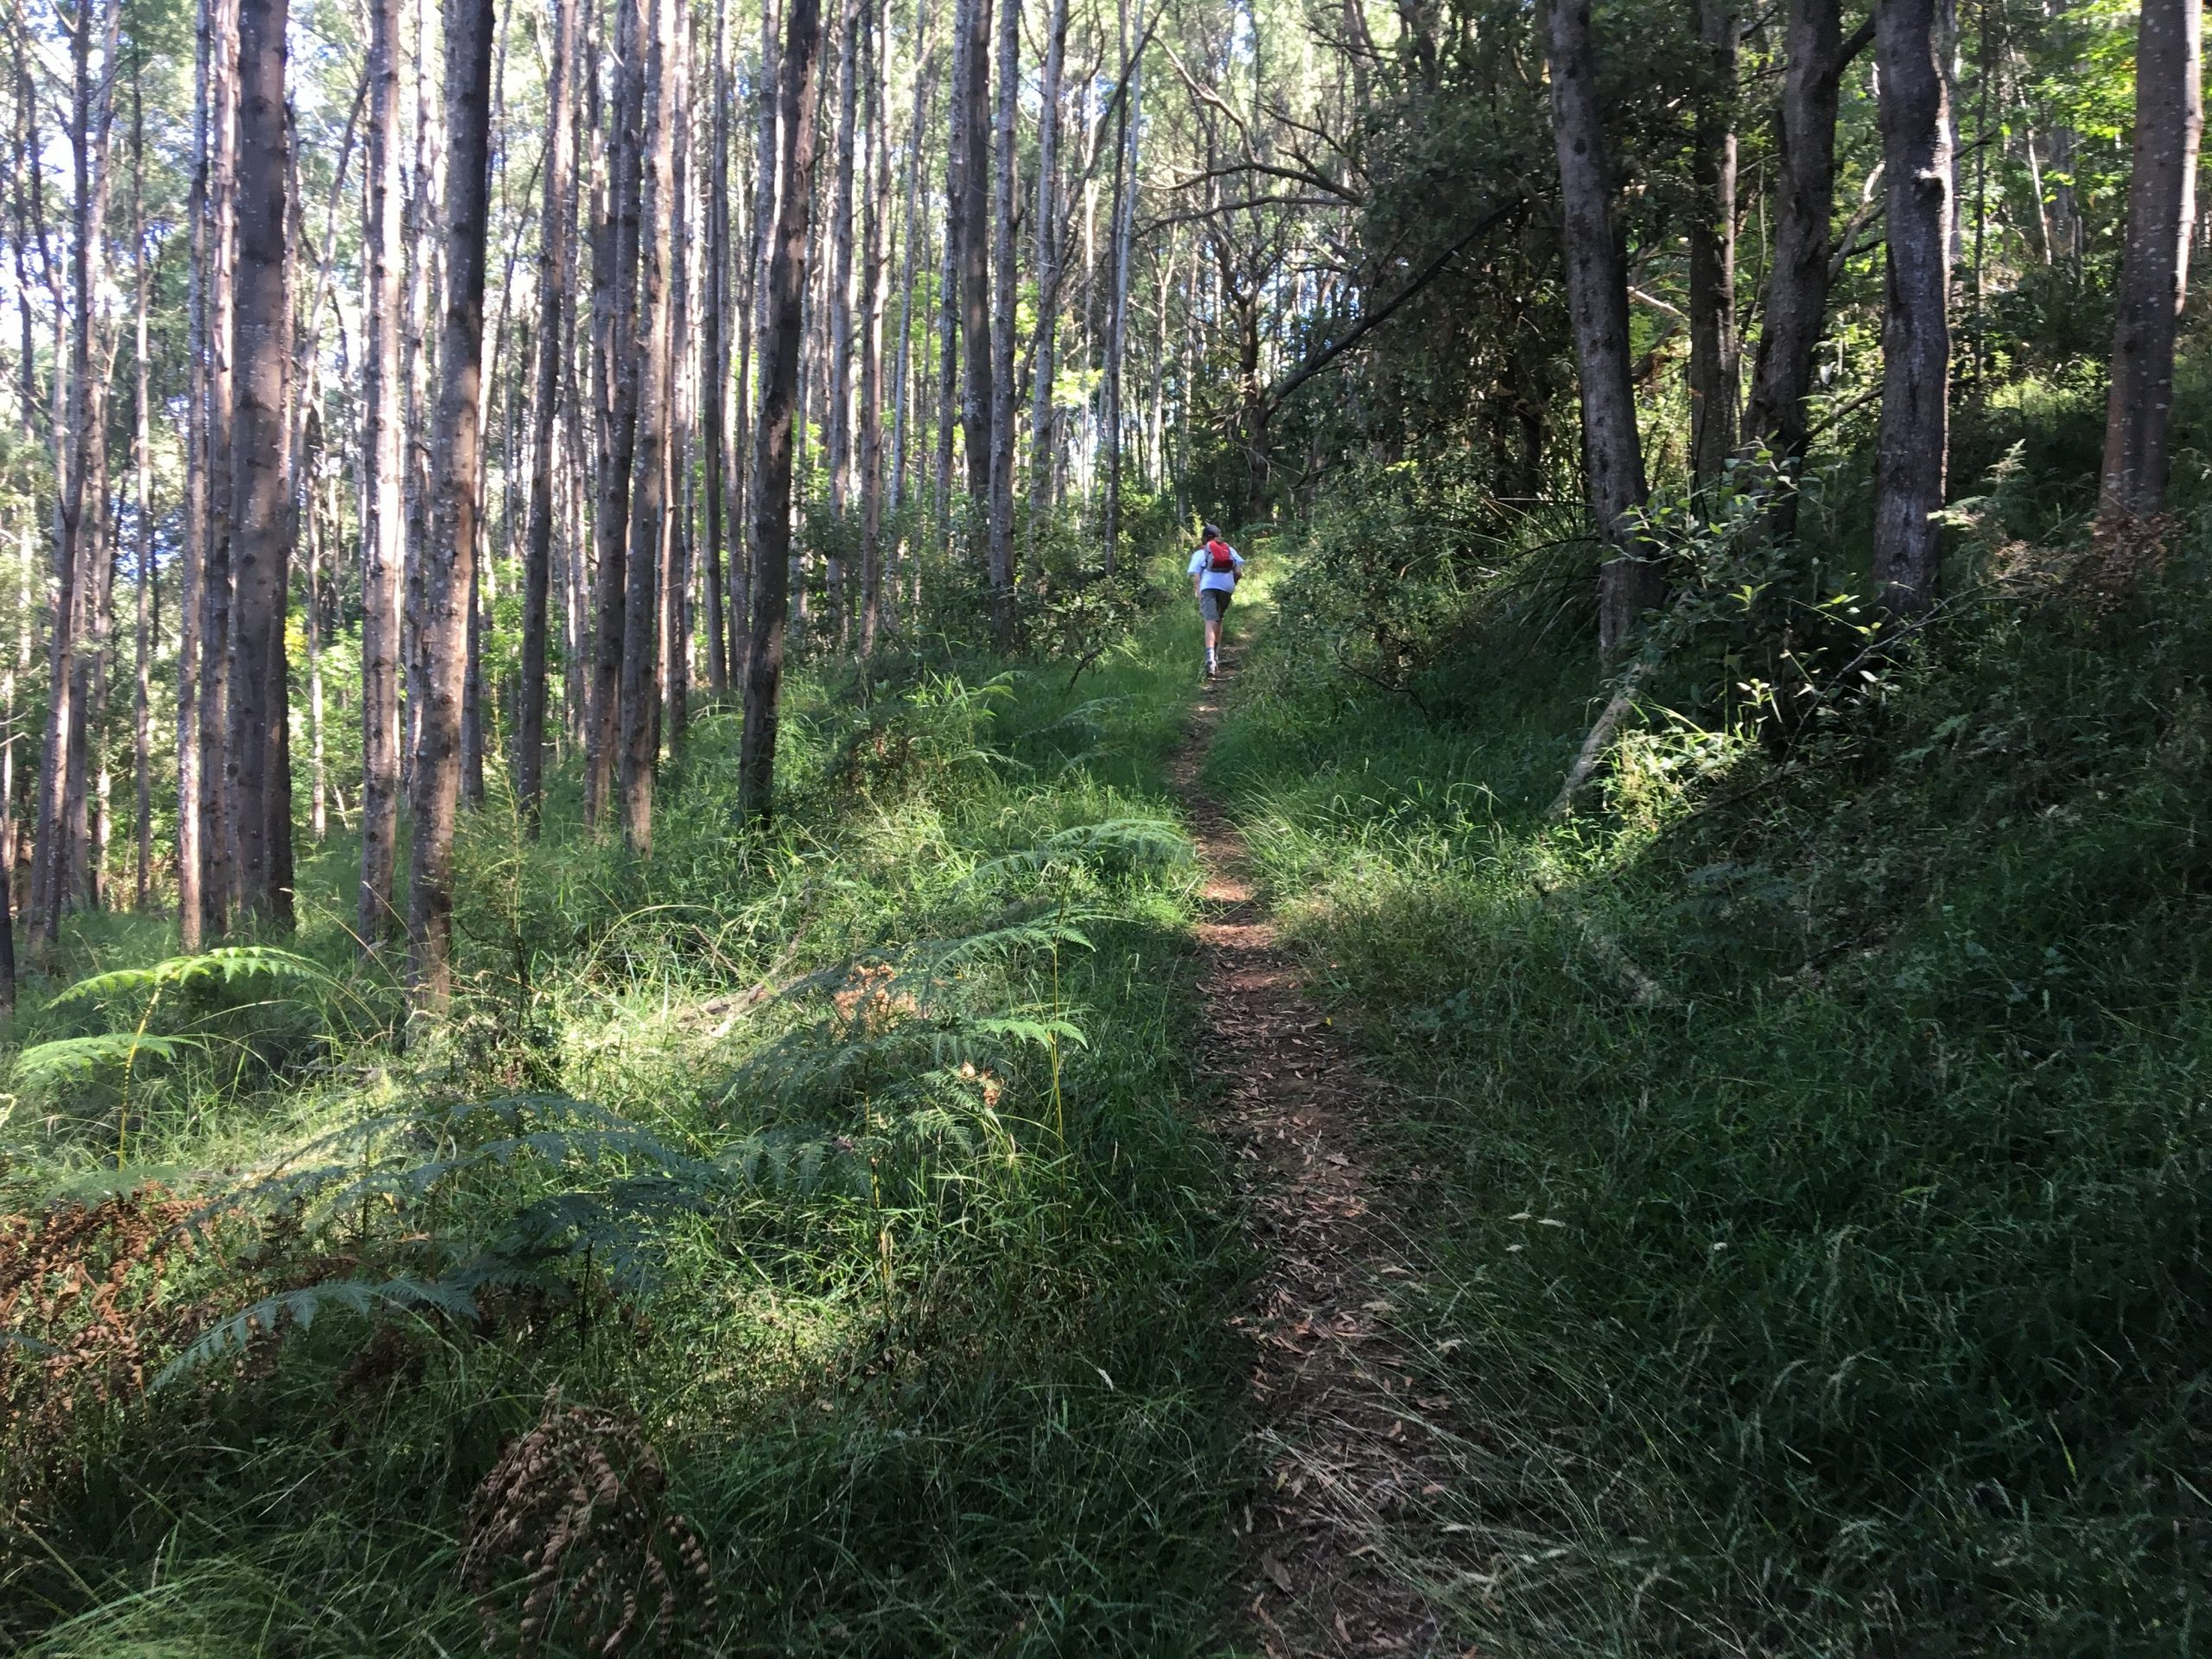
<point>1348,1454</point>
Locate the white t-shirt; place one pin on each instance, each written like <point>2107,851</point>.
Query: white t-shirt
<point>1225,580</point>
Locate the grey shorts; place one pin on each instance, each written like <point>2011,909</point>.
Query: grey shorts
<point>1213,602</point>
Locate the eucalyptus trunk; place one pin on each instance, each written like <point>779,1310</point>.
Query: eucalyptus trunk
<point>1597,291</point>
<point>383,471</point>
<point>772,443</point>
<point>2154,265</point>
<point>434,784</point>
<point>552,316</point>
<point>1913,445</point>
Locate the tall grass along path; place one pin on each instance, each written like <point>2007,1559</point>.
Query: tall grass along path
<point>1348,1454</point>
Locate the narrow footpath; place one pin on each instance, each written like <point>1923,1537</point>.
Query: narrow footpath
<point>1349,1452</point>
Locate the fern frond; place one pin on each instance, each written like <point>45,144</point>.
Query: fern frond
<point>300,1306</point>
<point>71,1057</point>
<point>227,962</point>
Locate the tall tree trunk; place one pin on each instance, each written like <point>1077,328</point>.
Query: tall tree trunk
<point>383,468</point>
<point>948,267</point>
<point>714,349</point>
<point>873,264</point>
<point>83,563</point>
<point>772,442</point>
<point>538,563</point>
<point>1597,288</point>
<point>1117,303</point>
<point>1009,301</point>
<point>648,373</point>
<point>2154,268</point>
<point>976,275</point>
<point>261,470</point>
<point>616,316</point>
<point>1795,308</point>
<point>191,855</point>
<point>1713,375</point>
<point>219,865</point>
<point>836,414</point>
<point>1911,451</point>
<point>902,359</point>
<point>141,696</point>
<point>434,786</point>
<point>1042,443</point>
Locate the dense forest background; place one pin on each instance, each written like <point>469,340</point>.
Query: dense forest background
<point>597,922</point>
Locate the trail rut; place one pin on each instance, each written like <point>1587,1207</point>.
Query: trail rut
<point>1348,1452</point>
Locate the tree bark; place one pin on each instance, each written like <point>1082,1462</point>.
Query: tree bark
<point>141,696</point>
<point>537,561</point>
<point>261,474</point>
<point>772,443</point>
<point>83,568</point>
<point>383,463</point>
<point>1796,309</point>
<point>2154,267</point>
<point>975,275</point>
<point>434,785</point>
<point>873,262</point>
<point>1911,452</point>
<point>218,884</point>
<point>641,610</point>
<point>1009,301</point>
<point>1042,443</point>
<point>1597,288</point>
<point>715,351</point>
<point>949,271</point>
<point>836,414</point>
<point>1713,368</point>
<point>1129,112</point>
<point>190,850</point>
<point>614,321</point>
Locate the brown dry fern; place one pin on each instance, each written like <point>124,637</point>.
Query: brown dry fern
<point>576,1504</point>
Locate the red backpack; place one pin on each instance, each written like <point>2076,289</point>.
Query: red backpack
<point>1219,557</point>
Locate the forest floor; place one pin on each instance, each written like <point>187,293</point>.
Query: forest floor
<point>1346,1452</point>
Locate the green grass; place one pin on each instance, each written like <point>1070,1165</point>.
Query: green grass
<point>1817,1262</point>
<point>940,1363</point>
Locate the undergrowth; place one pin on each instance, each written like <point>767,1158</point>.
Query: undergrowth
<point>1813,1124</point>
<point>794,1244</point>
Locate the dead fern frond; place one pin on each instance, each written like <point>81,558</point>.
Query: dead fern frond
<point>576,1504</point>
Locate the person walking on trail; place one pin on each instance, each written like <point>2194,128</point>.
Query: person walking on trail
<point>1214,570</point>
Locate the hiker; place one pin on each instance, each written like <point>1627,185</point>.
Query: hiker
<point>1214,570</point>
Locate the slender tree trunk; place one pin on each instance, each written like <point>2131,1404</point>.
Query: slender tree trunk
<point>261,448</point>
<point>901,370</point>
<point>2154,267</point>
<point>772,443</point>
<point>1911,452</point>
<point>83,562</point>
<point>1042,444</point>
<point>219,866</point>
<point>1713,374</point>
<point>976,275</point>
<point>434,785</point>
<point>1109,387</point>
<point>949,270</point>
<point>648,346</point>
<point>620,369</point>
<point>1596,287</point>
<point>714,348</point>
<point>190,850</point>
<point>538,564</point>
<point>382,465</point>
<point>873,263</point>
<point>141,699</point>
<point>1009,301</point>
<point>1796,309</point>
<point>836,414</point>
